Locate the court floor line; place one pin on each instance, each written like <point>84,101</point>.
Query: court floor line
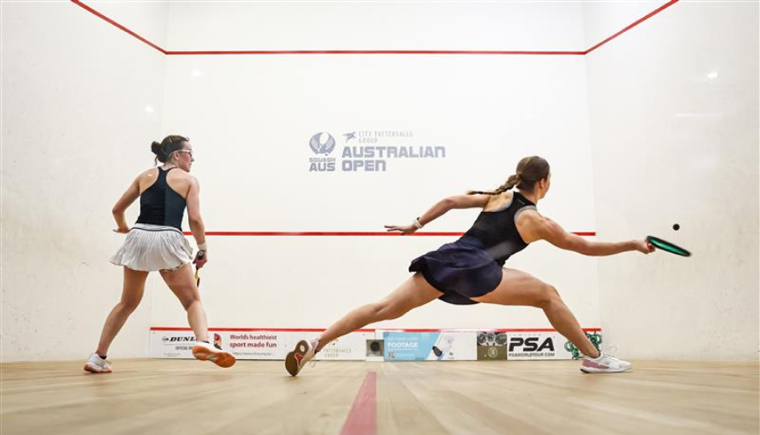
<point>362,419</point>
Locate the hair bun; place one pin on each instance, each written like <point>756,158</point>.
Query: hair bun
<point>159,150</point>
<point>156,148</point>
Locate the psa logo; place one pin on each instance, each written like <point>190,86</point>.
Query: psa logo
<point>530,344</point>
<point>322,144</point>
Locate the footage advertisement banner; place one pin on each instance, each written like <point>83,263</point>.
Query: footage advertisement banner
<point>429,346</point>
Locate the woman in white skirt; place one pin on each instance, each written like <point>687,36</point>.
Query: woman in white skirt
<point>156,243</point>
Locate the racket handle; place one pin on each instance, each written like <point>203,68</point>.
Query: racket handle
<point>198,256</point>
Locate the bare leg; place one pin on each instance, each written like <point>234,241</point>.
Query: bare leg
<point>131,295</point>
<point>411,294</point>
<point>520,288</point>
<point>182,284</point>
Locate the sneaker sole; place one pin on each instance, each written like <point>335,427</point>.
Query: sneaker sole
<point>291,363</point>
<point>589,370</point>
<point>222,359</point>
<point>91,369</point>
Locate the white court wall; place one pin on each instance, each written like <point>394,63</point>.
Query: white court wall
<point>75,132</point>
<point>672,145</point>
<point>250,119</point>
<point>352,25</point>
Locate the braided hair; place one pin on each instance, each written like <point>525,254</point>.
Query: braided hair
<point>529,171</point>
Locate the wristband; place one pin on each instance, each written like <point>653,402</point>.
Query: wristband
<point>418,224</point>
<point>202,246</point>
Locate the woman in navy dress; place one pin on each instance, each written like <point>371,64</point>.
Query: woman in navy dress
<point>470,270</point>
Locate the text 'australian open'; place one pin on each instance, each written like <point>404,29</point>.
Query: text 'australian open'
<point>374,158</point>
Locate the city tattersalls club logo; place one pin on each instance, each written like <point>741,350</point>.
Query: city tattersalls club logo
<point>368,151</point>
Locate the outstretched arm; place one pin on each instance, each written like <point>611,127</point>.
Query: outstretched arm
<point>439,209</point>
<point>546,229</point>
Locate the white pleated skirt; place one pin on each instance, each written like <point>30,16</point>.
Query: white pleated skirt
<point>151,248</point>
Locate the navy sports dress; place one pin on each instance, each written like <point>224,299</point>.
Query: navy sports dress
<point>471,266</point>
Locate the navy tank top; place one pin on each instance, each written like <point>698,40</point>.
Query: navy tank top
<point>161,205</point>
<point>497,231</point>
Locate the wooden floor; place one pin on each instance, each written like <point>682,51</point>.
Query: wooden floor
<point>191,397</point>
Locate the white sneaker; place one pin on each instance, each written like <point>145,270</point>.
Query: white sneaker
<point>96,364</point>
<point>209,352</point>
<point>303,353</point>
<point>604,364</point>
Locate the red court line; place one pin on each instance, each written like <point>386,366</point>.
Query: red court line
<point>374,52</point>
<point>362,419</point>
<point>462,52</point>
<point>634,24</point>
<point>346,233</point>
<point>172,328</point>
<point>114,23</point>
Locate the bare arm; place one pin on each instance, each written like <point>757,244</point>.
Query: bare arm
<point>538,227</point>
<point>440,208</point>
<point>196,221</point>
<point>132,193</point>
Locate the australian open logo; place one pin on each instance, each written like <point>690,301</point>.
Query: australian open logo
<point>370,150</point>
<point>322,144</point>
